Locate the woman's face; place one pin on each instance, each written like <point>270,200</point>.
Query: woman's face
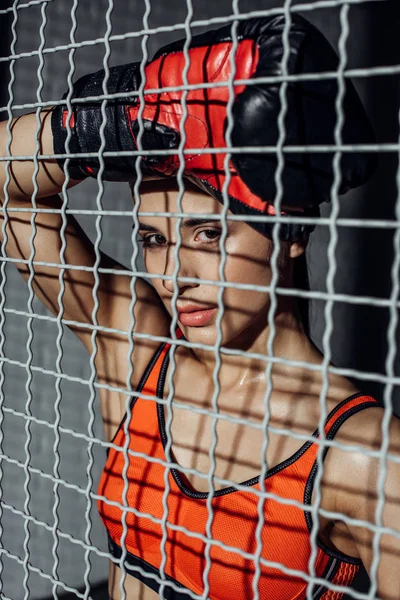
<point>247,262</point>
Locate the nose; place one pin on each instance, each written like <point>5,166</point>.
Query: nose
<point>186,269</point>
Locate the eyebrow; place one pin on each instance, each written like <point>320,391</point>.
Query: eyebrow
<point>186,223</point>
<point>144,227</point>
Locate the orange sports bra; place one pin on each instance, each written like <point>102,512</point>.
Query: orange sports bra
<point>285,535</point>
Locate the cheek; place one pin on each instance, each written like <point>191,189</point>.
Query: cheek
<point>154,265</point>
<point>246,270</point>
<point>154,262</point>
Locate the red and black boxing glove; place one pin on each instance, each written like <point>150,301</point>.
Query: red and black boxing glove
<point>310,119</point>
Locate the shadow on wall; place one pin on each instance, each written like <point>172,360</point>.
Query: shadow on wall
<point>375,25</point>
<point>97,592</point>
<point>364,255</point>
<point>5,38</point>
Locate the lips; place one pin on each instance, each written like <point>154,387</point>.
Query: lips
<point>192,315</point>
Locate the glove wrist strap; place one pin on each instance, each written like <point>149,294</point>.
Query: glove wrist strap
<point>86,125</point>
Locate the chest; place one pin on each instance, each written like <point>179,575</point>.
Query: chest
<point>233,443</point>
<point>230,440</point>
<point>236,435</point>
<point>233,511</point>
<point>236,449</point>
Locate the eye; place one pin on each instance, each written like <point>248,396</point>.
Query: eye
<point>154,240</point>
<point>209,235</point>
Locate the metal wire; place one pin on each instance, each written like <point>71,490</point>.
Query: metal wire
<point>311,580</point>
<point>373,223</point>
<point>307,6</point>
<point>350,73</point>
<point>284,432</point>
<point>131,337</point>
<point>330,285</point>
<point>388,401</point>
<point>93,549</point>
<point>249,556</point>
<point>222,20</point>
<point>174,320</point>
<point>344,298</point>
<point>24,5</point>
<point>60,300</point>
<point>224,482</point>
<point>370,376</point>
<point>64,194</point>
<point>3,280</point>
<point>32,569</point>
<point>30,325</point>
<point>273,297</point>
<point>389,147</point>
<point>99,198</point>
<point>221,307</point>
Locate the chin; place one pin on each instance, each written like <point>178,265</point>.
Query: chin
<point>208,334</point>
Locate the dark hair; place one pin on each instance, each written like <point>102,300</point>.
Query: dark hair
<point>301,281</point>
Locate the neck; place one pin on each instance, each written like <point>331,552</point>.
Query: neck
<point>286,340</point>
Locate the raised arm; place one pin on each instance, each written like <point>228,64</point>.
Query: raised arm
<point>23,132</point>
<point>114,293</point>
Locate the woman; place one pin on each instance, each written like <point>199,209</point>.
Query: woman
<point>167,552</point>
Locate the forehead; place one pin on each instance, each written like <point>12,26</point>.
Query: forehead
<point>162,196</point>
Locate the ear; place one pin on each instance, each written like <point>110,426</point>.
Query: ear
<point>298,248</point>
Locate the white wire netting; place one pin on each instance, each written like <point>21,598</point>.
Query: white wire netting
<point>52,450</point>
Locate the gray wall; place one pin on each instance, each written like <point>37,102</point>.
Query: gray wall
<point>364,260</point>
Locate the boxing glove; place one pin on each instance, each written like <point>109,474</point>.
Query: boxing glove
<point>310,119</point>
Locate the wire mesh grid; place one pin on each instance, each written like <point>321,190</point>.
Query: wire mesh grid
<point>62,375</point>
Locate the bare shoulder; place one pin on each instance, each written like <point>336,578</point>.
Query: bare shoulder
<point>365,489</point>
<point>367,429</point>
<point>353,464</point>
